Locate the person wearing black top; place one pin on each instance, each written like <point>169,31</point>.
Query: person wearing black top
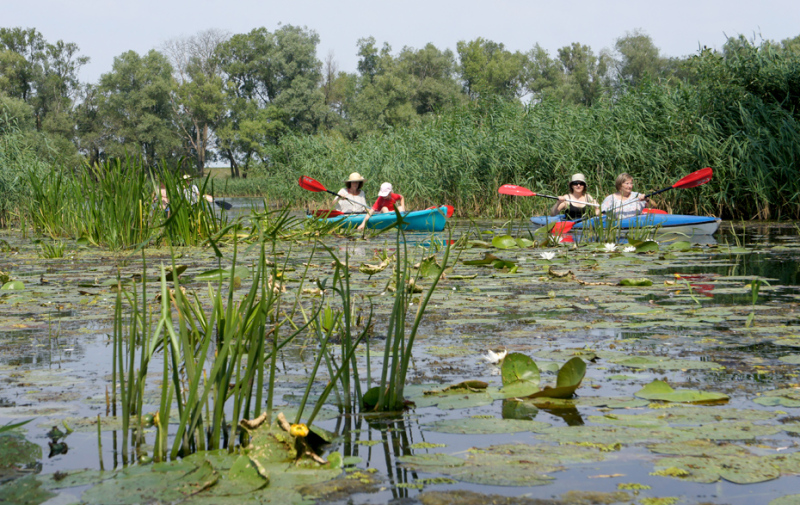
<point>573,205</point>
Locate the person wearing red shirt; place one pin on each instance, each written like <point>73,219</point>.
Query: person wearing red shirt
<point>387,202</point>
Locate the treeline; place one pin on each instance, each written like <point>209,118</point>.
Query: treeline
<point>442,125</point>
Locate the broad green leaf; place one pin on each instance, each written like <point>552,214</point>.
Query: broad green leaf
<point>12,286</point>
<point>483,426</point>
<point>517,368</point>
<point>524,242</point>
<point>660,390</point>
<point>569,379</point>
<point>504,242</point>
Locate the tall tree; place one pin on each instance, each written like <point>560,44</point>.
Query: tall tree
<point>135,107</point>
<point>638,58</point>
<point>198,99</point>
<point>273,87</point>
<point>488,69</point>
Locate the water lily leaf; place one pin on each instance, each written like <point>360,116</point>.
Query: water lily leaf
<point>739,470</point>
<point>12,286</point>
<point>630,420</point>
<point>25,491</point>
<point>612,434</point>
<point>429,268</point>
<point>790,499</point>
<point>636,282</point>
<point>660,390</point>
<point>793,359</point>
<point>524,242</point>
<point>501,264</point>
<point>484,426</point>
<point>679,246</point>
<point>644,246</point>
<point>226,273</point>
<point>488,258</point>
<point>569,379</point>
<point>504,242</point>
<point>421,461</point>
<point>519,373</point>
<point>170,482</point>
<point>17,453</point>
<point>699,448</point>
<point>786,397</point>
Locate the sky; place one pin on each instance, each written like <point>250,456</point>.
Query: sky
<point>104,29</point>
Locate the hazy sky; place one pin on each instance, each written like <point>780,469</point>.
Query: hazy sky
<point>106,28</point>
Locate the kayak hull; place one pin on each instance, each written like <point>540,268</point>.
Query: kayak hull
<point>418,220</point>
<point>661,223</point>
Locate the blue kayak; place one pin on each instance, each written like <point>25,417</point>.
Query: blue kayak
<point>664,223</point>
<point>418,220</point>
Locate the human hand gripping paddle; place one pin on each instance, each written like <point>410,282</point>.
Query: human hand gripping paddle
<point>510,189</point>
<point>310,184</point>
<point>692,180</point>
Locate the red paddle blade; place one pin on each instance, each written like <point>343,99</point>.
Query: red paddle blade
<point>653,211</point>
<point>450,210</point>
<point>510,189</point>
<point>326,213</point>
<point>562,227</point>
<point>311,184</point>
<point>695,179</point>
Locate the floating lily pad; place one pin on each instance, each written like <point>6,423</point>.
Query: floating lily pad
<point>24,491</point>
<point>504,242</point>
<point>13,286</point>
<point>699,448</point>
<point>707,469</point>
<point>17,453</point>
<point>520,375</point>
<point>483,426</point>
<point>421,461</point>
<point>636,282</point>
<point>786,397</point>
<point>660,390</point>
<point>793,359</point>
<point>664,363</point>
<point>568,380</point>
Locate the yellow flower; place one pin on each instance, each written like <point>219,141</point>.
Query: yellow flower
<point>298,430</point>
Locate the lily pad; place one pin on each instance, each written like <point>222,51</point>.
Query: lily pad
<point>484,426</point>
<point>660,390</point>
<point>636,282</point>
<point>520,374</point>
<point>13,286</point>
<point>569,379</point>
<point>786,397</point>
<point>707,469</point>
<point>504,242</point>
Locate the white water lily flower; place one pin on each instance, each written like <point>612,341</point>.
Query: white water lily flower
<point>548,255</point>
<point>495,357</point>
<point>630,248</point>
<point>610,247</point>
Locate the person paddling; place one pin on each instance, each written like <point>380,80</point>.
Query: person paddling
<point>573,205</point>
<point>387,201</point>
<point>351,195</point>
<point>625,202</point>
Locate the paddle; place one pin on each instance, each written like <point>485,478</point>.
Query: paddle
<point>327,213</point>
<point>223,204</point>
<point>692,180</point>
<point>312,185</point>
<point>510,189</point>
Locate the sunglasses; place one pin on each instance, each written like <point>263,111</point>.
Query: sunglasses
<point>577,184</point>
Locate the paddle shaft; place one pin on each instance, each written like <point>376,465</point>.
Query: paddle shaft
<point>345,198</point>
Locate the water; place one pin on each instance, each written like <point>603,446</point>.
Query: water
<point>55,353</point>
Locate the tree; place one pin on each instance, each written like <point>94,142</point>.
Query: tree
<point>639,58</point>
<point>488,69</point>
<point>198,99</point>
<point>273,87</point>
<point>135,107</point>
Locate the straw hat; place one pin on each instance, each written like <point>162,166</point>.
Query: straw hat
<point>354,177</point>
<point>386,189</point>
<point>187,177</point>
<point>578,178</point>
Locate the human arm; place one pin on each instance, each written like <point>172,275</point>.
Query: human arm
<point>558,206</point>
<point>401,204</point>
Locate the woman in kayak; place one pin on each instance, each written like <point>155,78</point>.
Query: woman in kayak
<point>351,199</point>
<point>387,201</point>
<point>625,202</point>
<point>573,205</point>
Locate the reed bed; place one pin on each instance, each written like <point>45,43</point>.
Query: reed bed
<point>737,114</point>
